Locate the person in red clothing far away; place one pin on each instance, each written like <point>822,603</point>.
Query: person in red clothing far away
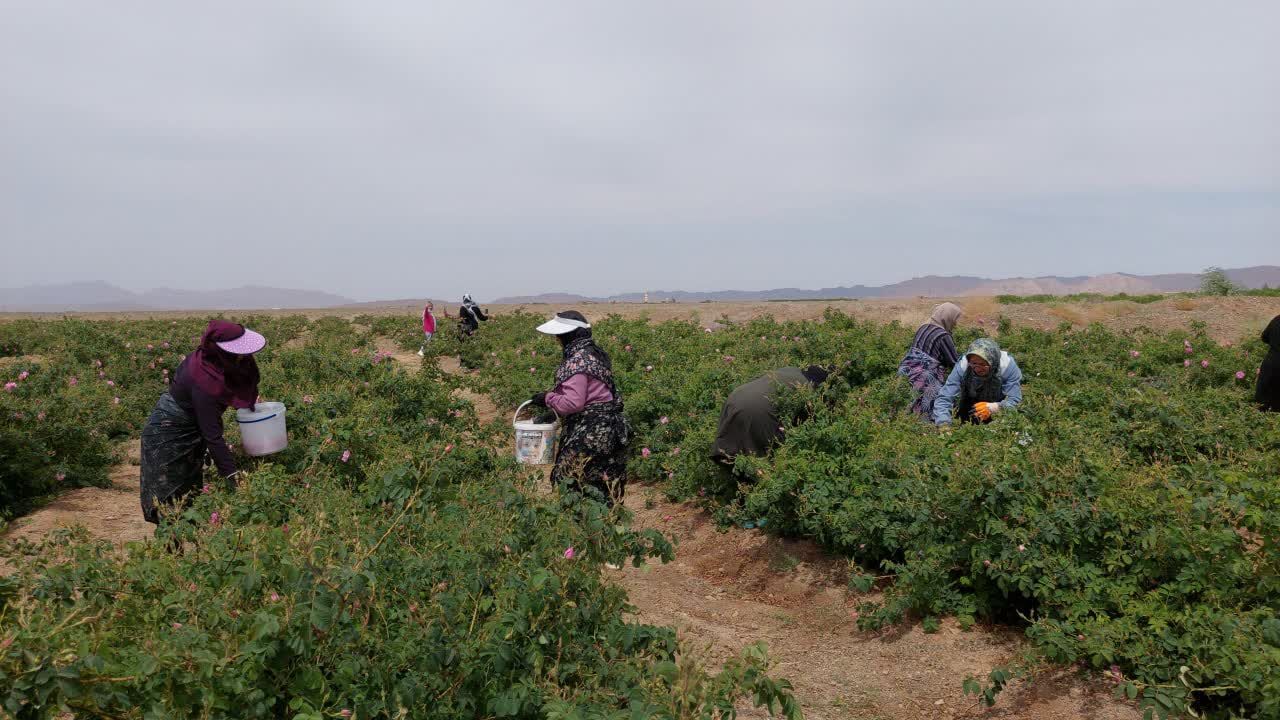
<point>428,327</point>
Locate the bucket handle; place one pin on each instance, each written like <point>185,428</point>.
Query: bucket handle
<point>250,422</point>
<point>522,406</point>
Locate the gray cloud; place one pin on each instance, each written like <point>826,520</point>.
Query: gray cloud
<point>404,148</point>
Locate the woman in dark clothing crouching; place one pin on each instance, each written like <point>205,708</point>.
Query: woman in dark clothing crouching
<point>1267,394</point>
<point>592,457</point>
<point>187,420</point>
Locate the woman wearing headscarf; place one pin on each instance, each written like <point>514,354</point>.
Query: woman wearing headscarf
<point>428,327</point>
<point>986,381</point>
<point>931,356</point>
<point>1268,393</point>
<point>186,423</point>
<point>592,457</point>
<point>470,315</point>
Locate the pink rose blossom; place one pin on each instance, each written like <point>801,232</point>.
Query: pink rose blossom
<point>728,358</point>
<point>102,373</point>
<point>345,713</point>
<point>675,451</point>
<point>533,370</point>
<point>10,386</point>
<point>115,401</point>
<point>448,448</point>
<point>111,383</point>
<point>1134,354</point>
<point>1204,363</point>
<point>191,587</point>
<point>1022,548</point>
<point>1187,349</point>
<point>73,382</point>
<point>24,375</point>
<point>164,344</point>
<point>41,416</point>
<point>533,353</point>
<point>664,420</point>
<point>206,489</point>
<point>1080,637</point>
<point>648,368</point>
<point>61,476</point>
<point>215,518</point>
<point>176,626</point>
<point>275,597</point>
<point>346,455</point>
<point>569,552</point>
<point>986,563</point>
<point>627,348</point>
<point>1186,363</point>
<point>151,347</point>
<point>1239,374</point>
<point>307,399</point>
<point>98,363</point>
<point>645,452</point>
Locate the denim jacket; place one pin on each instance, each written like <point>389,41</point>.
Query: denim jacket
<point>1010,381</point>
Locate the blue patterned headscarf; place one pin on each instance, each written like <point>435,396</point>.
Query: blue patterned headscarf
<point>983,389</point>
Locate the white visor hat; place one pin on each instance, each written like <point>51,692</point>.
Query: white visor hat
<point>560,325</point>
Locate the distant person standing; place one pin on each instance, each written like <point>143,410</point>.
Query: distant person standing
<point>470,316</point>
<point>1268,392</point>
<point>428,328</point>
<point>931,357</point>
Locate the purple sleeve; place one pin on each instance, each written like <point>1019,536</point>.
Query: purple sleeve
<point>209,418</point>
<point>570,396</point>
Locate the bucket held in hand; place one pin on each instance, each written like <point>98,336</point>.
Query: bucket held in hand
<point>262,429</point>
<point>535,442</point>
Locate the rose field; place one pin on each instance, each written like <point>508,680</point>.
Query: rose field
<point>395,562</point>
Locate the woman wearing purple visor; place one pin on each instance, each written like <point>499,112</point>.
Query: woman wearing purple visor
<point>187,420</point>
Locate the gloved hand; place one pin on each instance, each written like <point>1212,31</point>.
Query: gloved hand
<point>984,410</point>
<point>539,399</point>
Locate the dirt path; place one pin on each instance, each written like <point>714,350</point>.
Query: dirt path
<point>110,513</point>
<point>730,588</point>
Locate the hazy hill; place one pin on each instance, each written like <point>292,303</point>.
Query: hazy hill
<point>103,297</point>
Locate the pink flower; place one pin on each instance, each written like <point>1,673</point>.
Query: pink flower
<point>307,399</point>
<point>1080,637</point>
<point>1134,354</point>
<point>533,353</point>
<point>345,713</point>
<point>164,371</point>
<point>98,363</point>
<point>648,368</point>
<point>215,518</point>
<point>111,383</point>
<point>645,452</point>
<point>10,386</point>
<point>24,375</point>
<point>41,416</point>
<point>1186,363</point>
<point>986,563</point>
<point>675,451</point>
<point>115,401</point>
<point>981,321</point>
<point>854,614</point>
<point>448,448</point>
<point>1187,349</point>
<point>151,347</point>
<point>73,382</point>
<point>176,626</point>
<point>728,358</point>
<point>164,344</point>
<point>627,348</point>
<point>61,476</point>
<point>285,528</point>
<point>708,330</point>
<point>1131,373</point>
<point>667,518</point>
<point>206,489</point>
<point>533,370</point>
<point>1204,363</point>
<point>784,337</point>
<point>1022,548</point>
<point>569,552</point>
<point>346,455</point>
<point>102,373</point>
<point>191,587</point>
<point>1239,374</point>
<point>664,420</point>
<point>275,597</point>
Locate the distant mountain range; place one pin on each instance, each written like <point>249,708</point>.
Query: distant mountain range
<point>940,286</point>
<point>103,297</point>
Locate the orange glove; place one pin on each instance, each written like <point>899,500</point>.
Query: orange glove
<point>984,410</point>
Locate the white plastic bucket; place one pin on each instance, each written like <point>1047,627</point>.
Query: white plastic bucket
<point>262,430</point>
<point>535,442</point>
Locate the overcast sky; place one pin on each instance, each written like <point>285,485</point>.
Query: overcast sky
<point>405,149</point>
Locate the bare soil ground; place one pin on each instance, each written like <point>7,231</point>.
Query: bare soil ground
<point>728,588</point>
<point>112,513</point>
